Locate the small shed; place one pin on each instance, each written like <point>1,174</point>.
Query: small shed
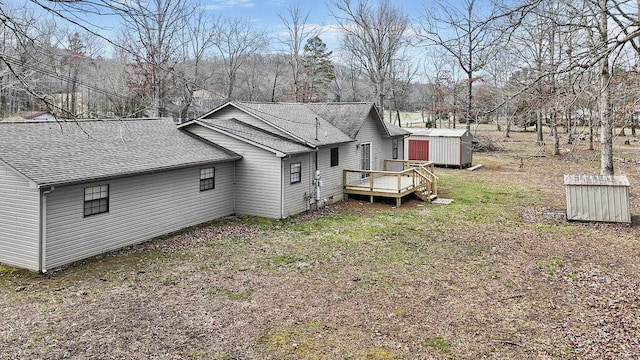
<point>445,147</point>
<point>597,198</point>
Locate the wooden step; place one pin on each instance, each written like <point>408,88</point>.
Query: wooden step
<point>424,195</point>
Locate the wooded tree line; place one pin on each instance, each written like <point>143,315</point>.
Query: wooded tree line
<point>567,64</point>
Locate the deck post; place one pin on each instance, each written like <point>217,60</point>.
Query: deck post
<point>398,202</point>
<point>371,199</point>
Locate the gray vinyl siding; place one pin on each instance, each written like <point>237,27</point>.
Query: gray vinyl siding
<point>258,175</point>
<point>140,208</point>
<point>332,177</point>
<point>297,196</point>
<point>19,220</point>
<point>380,146</point>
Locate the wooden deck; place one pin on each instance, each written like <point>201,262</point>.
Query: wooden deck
<point>412,177</point>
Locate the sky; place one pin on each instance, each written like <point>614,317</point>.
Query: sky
<point>263,13</point>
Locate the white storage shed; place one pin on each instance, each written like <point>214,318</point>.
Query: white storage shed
<point>446,147</point>
<point>597,198</point>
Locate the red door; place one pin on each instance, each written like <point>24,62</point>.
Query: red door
<point>418,149</point>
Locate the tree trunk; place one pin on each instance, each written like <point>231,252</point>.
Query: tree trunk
<point>606,126</point>
<point>507,128</point>
<point>540,137</point>
<point>554,134</point>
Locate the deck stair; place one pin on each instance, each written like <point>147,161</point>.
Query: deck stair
<point>425,195</point>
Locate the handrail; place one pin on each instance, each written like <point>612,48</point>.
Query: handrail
<point>425,178</point>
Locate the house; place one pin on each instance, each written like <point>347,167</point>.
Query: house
<point>293,154</point>
<point>445,147</point>
<point>38,116</point>
<point>71,190</point>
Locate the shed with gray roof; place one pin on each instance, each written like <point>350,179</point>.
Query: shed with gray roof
<point>445,147</point>
<point>593,197</point>
<point>71,190</point>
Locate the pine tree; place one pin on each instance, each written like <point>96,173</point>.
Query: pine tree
<point>318,70</point>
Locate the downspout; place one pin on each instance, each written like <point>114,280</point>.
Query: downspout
<point>43,229</point>
<point>235,189</point>
<point>282,188</point>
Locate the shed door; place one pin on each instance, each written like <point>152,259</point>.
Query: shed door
<point>418,149</point>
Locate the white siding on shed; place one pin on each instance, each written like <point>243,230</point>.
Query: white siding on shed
<point>140,208</point>
<point>258,175</point>
<point>597,198</point>
<point>19,220</point>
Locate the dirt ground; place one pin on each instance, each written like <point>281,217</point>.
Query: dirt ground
<point>499,274</point>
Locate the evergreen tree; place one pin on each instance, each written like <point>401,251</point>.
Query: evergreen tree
<point>318,70</point>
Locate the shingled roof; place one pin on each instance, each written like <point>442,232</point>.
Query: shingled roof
<point>298,120</point>
<point>315,124</point>
<point>259,136</point>
<point>56,153</point>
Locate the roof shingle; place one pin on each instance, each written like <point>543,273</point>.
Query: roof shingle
<point>55,153</point>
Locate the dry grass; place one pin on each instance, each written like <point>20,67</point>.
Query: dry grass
<point>485,277</point>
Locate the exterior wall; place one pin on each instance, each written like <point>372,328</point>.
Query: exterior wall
<point>19,220</point>
<point>140,208</point>
<point>258,175</point>
<point>598,203</point>
<point>381,147</point>
<point>447,150</point>
<point>297,197</point>
<point>332,176</point>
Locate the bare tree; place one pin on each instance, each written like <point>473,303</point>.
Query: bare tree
<point>298,32</point>
<point>465,35</point>
<point>197,38</point>
<point>375,36</point>
<point>236,40</point>
<point>151,36</point>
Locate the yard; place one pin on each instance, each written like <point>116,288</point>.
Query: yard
<point>494,275</point>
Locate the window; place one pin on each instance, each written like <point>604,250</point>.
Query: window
<point>394,148</point>
<point>334,156</point>
<point>96,200</point>
<point>207,179</point>
<point>296,173</point>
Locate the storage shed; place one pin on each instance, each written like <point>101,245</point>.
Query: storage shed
<point>446,147</point>
<point>597,198</point>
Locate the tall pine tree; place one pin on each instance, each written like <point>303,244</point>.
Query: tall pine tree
<point>317,69</point>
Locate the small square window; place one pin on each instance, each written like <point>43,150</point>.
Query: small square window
<point>207,179</point>
<point>394,148</point>
<point>334,156</point>
<point>296,173</point>
<point>96,200</point>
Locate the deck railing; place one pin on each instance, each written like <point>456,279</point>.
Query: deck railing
<point>414,176</point>
<point>424,168</point>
